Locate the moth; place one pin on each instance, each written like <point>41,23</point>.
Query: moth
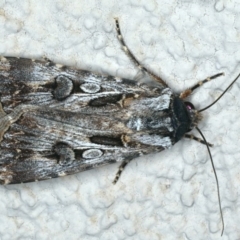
<point>56,120</point>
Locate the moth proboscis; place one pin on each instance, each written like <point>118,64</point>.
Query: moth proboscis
<point>56,120</point>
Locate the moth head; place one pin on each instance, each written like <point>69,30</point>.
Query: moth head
<point>194,115</point>
<point>185,117</point>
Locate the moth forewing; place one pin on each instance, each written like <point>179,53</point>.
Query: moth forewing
<point>58,121</point>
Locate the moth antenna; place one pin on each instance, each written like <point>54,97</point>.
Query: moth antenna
<point>189,91</point>
<point>215,174</point>
<point>203,109</point>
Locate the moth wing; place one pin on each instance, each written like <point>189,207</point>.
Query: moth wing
<point>74,120</point>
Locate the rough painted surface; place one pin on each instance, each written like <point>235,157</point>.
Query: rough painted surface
<point>170,195</point>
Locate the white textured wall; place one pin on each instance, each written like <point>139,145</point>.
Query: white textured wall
<point>170,195</point>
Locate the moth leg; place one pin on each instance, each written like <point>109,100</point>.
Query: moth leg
<point>120,170</point>
<point>132,57</point>
<point>189,91</point>
<point>190,136</point>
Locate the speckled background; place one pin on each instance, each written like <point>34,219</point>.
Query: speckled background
<point>169,195</point>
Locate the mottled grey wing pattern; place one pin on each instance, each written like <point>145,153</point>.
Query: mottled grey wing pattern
<point>55,120</point>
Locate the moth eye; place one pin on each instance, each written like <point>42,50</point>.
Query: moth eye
<point>189,106</point>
